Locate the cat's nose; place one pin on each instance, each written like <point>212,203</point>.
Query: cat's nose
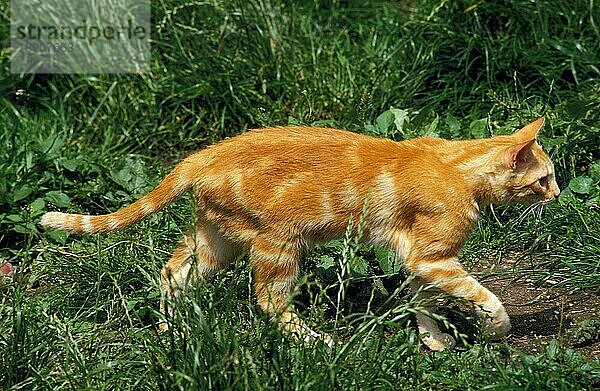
<point>553,195</point>
<point>556,191</point>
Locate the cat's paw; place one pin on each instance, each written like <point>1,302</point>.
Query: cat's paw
<point>312,336</point>
<point>309,335</point>
<point>326,338</point>
<point>162,327</point>
<point>439,341</point>
<point>296,327</point>
<point>497,324</point>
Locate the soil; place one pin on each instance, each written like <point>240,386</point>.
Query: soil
<point>540,314</point>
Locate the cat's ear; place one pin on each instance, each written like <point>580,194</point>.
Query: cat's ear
<point>530,131</point>
<point>525,137</point>
<point>516,155</point>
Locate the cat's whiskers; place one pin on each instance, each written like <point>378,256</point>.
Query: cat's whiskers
<point>540,211</point>
<point>526,212</point>
<point>536,209</point>
<point>542,208</point>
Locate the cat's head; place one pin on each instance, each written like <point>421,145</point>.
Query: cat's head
<point>523,172</point>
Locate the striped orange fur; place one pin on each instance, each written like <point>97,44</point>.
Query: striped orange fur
<point>273,192</point>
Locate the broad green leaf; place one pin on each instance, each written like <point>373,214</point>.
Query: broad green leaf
<point>581,184</point>
<point>430,130</point>
<point>132,177</point>
<point>422,118</point>
<point>387,261</point>
<point>566,196</point>
<point>50,145</point>
<point>58,198</point>
<point>21,228</point>
<point>325,262</point>
<point>132,303</point>
<point>478,128</point>
<point>70,164</point>
<point>38,205</point>
<point>59,236</point>
<point>552,349</point>
<point>293,121</point>
<point>22,193</point>
<point>122,177</point>
<point>384,121</point>
<point>383,259</point>
<point>359,266</point>
<point>400,118</point>
<point>453,124</point>
<point>370,129</point>
<point>325,123</point>
<point>29,155</point>
<point>14,218</point>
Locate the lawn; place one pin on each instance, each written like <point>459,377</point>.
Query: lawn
<point>80,311</point>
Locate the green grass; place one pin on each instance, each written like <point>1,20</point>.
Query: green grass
<point>81,311</point>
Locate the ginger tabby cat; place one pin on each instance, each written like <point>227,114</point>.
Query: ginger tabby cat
<point>274,192</point>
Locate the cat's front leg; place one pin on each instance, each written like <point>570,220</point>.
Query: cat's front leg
<point>430,333</point>
<point>448,275</point>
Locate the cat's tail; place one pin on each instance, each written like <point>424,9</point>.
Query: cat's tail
<point>175,183</point>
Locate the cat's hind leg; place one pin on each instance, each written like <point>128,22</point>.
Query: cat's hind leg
<point>202,252</point>
<point>276,266</point>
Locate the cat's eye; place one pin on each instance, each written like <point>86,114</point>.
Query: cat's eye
<point>543,182</point>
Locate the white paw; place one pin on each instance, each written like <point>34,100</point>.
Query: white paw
<point>307,334</point>
<point>497,324</point>
<point>314,336</point>
<point>163,326</point>
<point>327,340</point>
<point>439,341</point>
<point>296,327</point>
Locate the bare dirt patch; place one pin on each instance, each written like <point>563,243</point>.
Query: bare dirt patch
<point>540,314</point>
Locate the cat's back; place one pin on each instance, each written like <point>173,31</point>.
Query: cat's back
<point>290,145</point>
<point>295,146</point>
<point>299,135</point>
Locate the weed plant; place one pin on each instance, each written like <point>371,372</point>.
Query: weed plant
<point>81,311</point>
